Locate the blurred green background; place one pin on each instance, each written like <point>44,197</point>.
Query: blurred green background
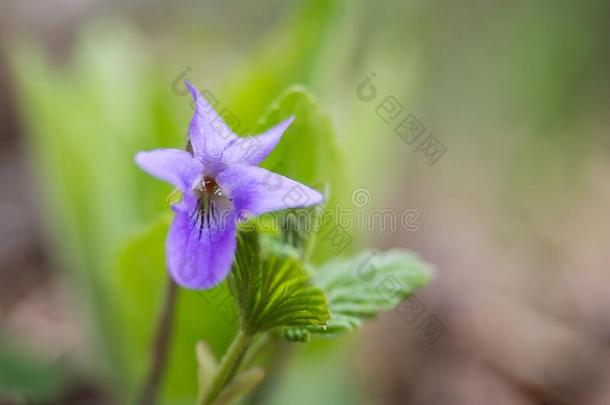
<point>513,214</point>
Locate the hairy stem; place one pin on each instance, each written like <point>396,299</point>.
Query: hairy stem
<point>228,366</point>
<point>161,345</point>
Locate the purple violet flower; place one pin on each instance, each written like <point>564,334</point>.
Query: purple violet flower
<point>221,186</point>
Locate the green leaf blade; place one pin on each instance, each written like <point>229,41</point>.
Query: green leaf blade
<point>360,287</point>
<point>273,291</point>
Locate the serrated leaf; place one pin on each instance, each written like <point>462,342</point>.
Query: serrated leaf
<point>273,291</point>
<point>360,287</point>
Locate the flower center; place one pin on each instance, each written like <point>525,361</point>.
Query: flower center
<point>208,186</point>
<point>212,205</point>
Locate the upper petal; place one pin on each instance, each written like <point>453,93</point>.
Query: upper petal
<point>254,149</point>
<point>200,257</point>
<point>175,166</point>
<point>256,190</point>
<point>208,133</point>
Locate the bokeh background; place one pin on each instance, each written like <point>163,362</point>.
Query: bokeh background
<point>514,214</point>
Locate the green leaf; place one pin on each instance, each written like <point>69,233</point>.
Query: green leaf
<point>273,291</point>
<point>360,287</point>
<point>308,153</point>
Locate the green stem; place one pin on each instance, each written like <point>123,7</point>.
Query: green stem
<point>228,366</point>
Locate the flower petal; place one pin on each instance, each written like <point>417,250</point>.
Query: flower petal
<point>175,166</point>
<point>254,149</point>
<point>200,257</point>
<point>208,133</point>
<point>255,190</point>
